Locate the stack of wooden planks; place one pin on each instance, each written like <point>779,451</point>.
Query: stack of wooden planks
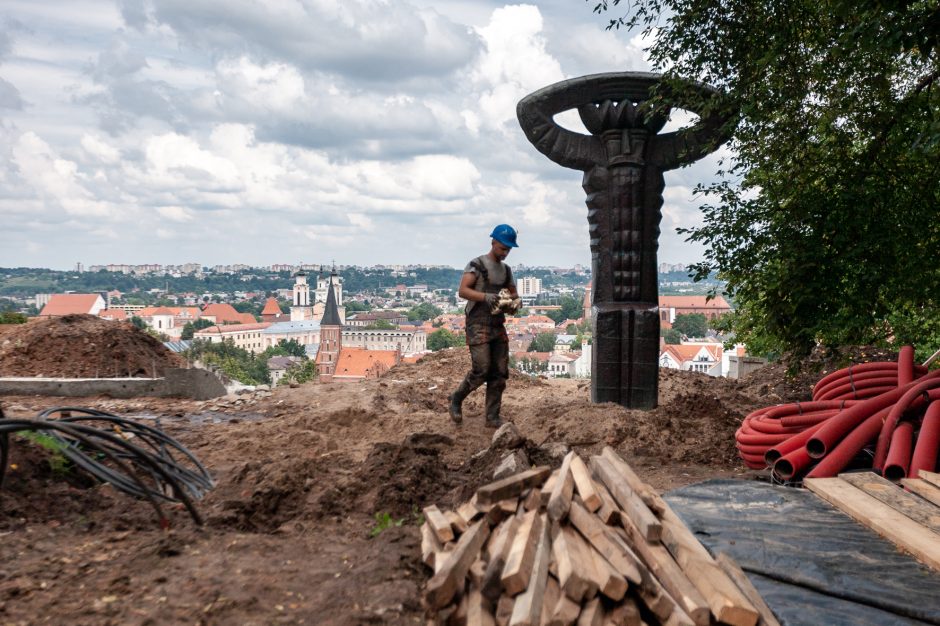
<point>909,517</point>
<point>587,544</point>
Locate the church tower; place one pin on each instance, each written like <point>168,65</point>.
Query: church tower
<point>331,333</point>
<point>301,309</point>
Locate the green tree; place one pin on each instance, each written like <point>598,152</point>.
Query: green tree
<point>443,338</point>
<point>672,336</point>
<point>380,325</point>
<point>354,306</point>
<point>12,317</point>
<point>138,322</point>
<point>190,328</point>
<point>824,222</point>
<point>236,363</point>
<point>285,347</point>
<point>543,342</point>
<point>300,373</point>
<point>691,324</point>
<point>423,311</point>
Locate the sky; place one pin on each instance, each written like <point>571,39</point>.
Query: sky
<point>360,132</point>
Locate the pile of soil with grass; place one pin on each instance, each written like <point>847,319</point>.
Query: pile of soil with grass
<point>82,346</point>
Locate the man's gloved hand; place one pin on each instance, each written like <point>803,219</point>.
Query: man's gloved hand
<point>516,304</point>
<point>491,299</point>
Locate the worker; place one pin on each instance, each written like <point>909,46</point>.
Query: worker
<point>482,280</point>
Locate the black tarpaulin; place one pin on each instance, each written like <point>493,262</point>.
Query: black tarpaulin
<point>813,564</point>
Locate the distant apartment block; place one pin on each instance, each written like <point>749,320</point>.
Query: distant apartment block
<point>407,341</point>
<point>529,287</point>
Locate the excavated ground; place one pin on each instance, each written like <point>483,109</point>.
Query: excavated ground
<point>302,474</point>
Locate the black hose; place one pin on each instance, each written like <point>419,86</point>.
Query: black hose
<point>146,469</point>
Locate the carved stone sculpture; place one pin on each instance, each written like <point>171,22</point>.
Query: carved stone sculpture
<point>623,160</point>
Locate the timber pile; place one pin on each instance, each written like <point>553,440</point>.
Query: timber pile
<point>909,517</point>
<point>581,546</point>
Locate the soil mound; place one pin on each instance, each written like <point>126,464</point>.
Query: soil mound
<point>82,346</point>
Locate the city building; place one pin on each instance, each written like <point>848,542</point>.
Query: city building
<point>705,358</point>
<point>671,306</point>
<point>409,341</point>
<point>331,339</point>
<point>529,288</point>
<point>356,364</point>
<point>249,337</point>
<point>73,303</point>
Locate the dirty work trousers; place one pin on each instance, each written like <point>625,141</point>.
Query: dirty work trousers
<point>489,357</point>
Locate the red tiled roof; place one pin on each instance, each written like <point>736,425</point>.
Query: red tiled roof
<point>271,307</point>
<point>232,328</point>
<point>362,363</point>
<point>693,302</point>
<point>69,303</point>
<point>686,352</point>
<point>115,315</point>
<point>226,313</point>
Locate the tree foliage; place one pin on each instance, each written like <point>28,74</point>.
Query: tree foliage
<point>422,312</point>
<point>443,338</point>
<point>190,328</point>
<point>691,324</point>
<point>671,336</point>
<point>824,222</point>
<point>236,363</point>
<point>285,347</point>
<point>543,342</point>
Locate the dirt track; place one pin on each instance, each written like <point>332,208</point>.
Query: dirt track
<point>301,475</point>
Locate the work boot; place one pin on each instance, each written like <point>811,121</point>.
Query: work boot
<point>456,410</point>
<point>494,400</point>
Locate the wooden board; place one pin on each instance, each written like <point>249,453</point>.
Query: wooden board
<point>592,614</point>
<point>443,585</point>
<point>560,498</point>
<point>431,546</point>
<point>896,527</point>
<point>646,493</point>
<point>521,556</point>
<point>925,490</point>
<point>931,477</point>
<point>594,531</point>
<point>630,503</point>
<point>584,484</point>
<point>511,486</point>
<point>570,577</point>
<point>439,523</point>
<point>735,573</point>
<point>886,491</point>
<point>528,607</point>
<point>478,610</point>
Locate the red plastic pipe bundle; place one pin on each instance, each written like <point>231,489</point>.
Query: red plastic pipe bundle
<point>894,407</point>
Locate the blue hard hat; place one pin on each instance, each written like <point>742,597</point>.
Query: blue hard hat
<point>506,235</point>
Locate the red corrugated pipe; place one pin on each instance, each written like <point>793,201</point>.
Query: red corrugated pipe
<point>928,441</point>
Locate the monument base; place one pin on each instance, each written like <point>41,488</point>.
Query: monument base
<point>625,356</point>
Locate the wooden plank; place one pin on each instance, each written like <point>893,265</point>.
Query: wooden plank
<point>501,510</point>
<point>571,579</point>
<point>547,488</point>
<point>504,610</point>
<point>609,582</point>
<point>649,496</point>
<point>457,523</point>
<point>625,613</point>
<point>521,556</point>
<point>431,546</point>
<point>609,512</point>
<point>565,612</point>
<point>594,531</point>
<point>468,511</point>
<point>886,491</point>
<point>727,603</point>
<point>477,571</point>
<point>497,551</point>
<point>663,567</point>
<point>439,523</point>
<point>512,486</point>
<point>650,590</point>
<point>925,490</point>
<point>592,614</point>
<point>560,498</point>
<point>528,607</point>
<point>478,610</point>
<point>931,477</point>
<point>444,584</point>
<point>629,502</point>
<point>441,558</point>
<point>897,528</point>
<point>584,484</point>
<point>735,573</point>
<point>532,499</point>
<point>550,599</point>
<point>725,600</point>
<point>459,617</point>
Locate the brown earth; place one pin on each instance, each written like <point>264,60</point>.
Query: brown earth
<point>80,346</point>
<point>302,475</point>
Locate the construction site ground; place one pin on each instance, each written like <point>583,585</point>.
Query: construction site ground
<point>303,474</point>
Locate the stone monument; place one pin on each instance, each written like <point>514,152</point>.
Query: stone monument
<point>623,160</point>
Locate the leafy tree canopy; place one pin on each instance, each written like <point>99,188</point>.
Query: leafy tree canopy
<point>423,311</point>
<point>190,328</point>
<point>691,325</point>
<point>443,338</point>
<point>543,342</point>
<point>672,336</point>
<point>824,222</point>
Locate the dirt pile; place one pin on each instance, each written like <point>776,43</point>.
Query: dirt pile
<point>81,346</point>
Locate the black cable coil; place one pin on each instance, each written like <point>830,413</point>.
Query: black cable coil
<point>135,458</point>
